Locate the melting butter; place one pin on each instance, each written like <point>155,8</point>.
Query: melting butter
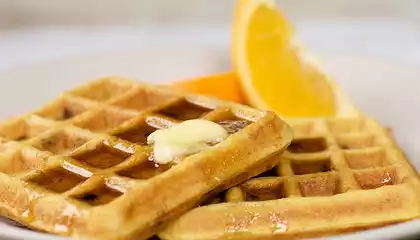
<point>184,139</point>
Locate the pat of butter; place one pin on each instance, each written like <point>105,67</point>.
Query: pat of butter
<point>185,138</point>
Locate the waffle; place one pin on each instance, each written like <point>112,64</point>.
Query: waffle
<point>338,175</point>
<point>80,166</point>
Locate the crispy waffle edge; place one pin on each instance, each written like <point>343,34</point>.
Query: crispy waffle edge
<point>58,138</point>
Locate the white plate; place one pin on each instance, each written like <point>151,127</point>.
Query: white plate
<point>382,88</point>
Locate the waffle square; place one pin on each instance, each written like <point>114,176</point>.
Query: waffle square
<point>338,175</point>
<point>80,166</point>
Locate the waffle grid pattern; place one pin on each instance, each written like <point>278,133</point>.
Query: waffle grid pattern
<point>327,157</point>
<point>337,175</point>
<point>89,145</point>
<point>76,126</point>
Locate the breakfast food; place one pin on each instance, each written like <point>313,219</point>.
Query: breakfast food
<point>270,63</point>
<point>343,172</point>
<point>271,70</point>
<point>115,159</point>
<point>224,86</point>
<point>338,175</point>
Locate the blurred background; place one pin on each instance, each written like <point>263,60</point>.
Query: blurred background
<point>37,30</point>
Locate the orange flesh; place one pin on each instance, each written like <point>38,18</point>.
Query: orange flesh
<point>224,86</point>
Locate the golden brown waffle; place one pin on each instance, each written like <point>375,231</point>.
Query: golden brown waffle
<point>337,175</point>
<point>80,166</point>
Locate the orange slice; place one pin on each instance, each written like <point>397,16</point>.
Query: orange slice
<point>274,72</point>
<point>224,86</point>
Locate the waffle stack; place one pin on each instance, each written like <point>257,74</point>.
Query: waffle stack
<point>338,175</point>
<point>80,166</point>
